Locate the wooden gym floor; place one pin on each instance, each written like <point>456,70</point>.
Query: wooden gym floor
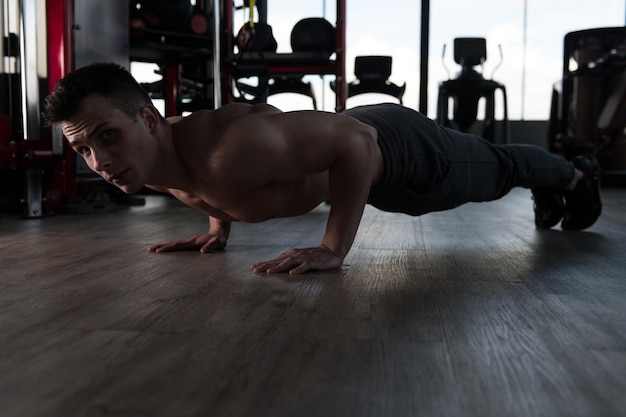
<point>471,312</point>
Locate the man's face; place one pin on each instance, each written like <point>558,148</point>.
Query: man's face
<point>121,150</point>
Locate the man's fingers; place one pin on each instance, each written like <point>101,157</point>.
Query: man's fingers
<point>304,266</point>
<point>286,264</point>
<point>167,247</point>
<point>205,243</point>
<point>297,261</point>
<point>215,245</point>
<point>161,247</point>
<point>172,246</point>
<point>283,266</point>
<point>271,266</point>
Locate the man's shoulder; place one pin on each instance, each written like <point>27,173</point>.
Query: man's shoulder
<point>244,109</point>
<point>232,127</point>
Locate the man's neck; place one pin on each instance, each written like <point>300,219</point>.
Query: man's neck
<point>168,171</point>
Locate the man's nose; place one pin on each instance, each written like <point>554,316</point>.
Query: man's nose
<point>101,160</point>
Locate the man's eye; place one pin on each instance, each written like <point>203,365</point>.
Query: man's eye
<point>108,135</point>
<point>83,150</point>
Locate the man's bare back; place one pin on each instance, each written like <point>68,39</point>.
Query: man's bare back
<point>236,165</point>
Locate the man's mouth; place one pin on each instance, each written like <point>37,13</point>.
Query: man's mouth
<point>119,178</point>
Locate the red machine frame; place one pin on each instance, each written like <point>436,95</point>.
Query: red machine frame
<point>39,154</point>
<point>62,189</point>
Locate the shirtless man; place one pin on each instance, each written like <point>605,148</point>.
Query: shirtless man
<point>253,163</point>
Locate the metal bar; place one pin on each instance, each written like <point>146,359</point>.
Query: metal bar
<point>62,188</point>
<point>33,203</point>
<point>172,84</point>
<point>424,39</point>
<point>261,6</point>
<point>28,69</point>
<point>3,35</point>
<point>341,90</point>
<point>226,17</point>
<point>217,56</point>
<point>33,195</point>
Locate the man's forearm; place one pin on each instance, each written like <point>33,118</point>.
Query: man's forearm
<point>219,227</point>
<point>350,182</point>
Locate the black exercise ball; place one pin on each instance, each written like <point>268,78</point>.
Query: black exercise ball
<point>313,34</point>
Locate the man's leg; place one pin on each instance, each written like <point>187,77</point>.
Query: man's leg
<point>431,168</point>
<point>492,170</point>
<point>481,171</point>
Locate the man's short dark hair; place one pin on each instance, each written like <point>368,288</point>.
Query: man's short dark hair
<point>109,80</point>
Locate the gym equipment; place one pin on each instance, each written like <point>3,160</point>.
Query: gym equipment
<point>468,89</point>
<point>588,113</point>
<point>10,102</point>
<point>255,36</point>
<point>185,46</point>
<point>313,34</point>
<point>311,38</point>
<point>318,48</point>
<point>309,35</point>
<point>372,76</point>
<point>258,37</point>
<point>200,23</point>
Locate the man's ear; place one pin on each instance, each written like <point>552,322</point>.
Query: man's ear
<point>151,116</point>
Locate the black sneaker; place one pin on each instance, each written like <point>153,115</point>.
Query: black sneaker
<point>582,204</point>
<point>549,207</point>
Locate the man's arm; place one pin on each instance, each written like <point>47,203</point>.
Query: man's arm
<point>347,151</point>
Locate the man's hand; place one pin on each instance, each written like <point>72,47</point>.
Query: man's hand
<point>205,243</point>
<point>297,261</point>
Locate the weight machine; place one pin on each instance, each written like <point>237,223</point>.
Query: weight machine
<point>588,112</point>
<point>468,88</point>
<point>31,155</point>
<point>318,48</point>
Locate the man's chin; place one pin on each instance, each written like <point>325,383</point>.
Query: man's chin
<point>129,189</point>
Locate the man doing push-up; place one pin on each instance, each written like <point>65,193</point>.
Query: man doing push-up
<point>254,162</point>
